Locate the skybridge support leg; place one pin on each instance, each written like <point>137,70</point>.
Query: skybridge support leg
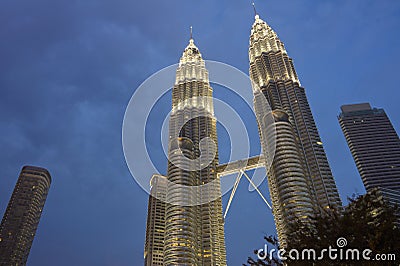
<point>235,186</point>
<point>255,187</point>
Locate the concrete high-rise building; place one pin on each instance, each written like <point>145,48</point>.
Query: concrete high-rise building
<point>21,219</point>
<point>375,147</point>
<point>300,179</point>
<point>374,144</point>
<point>190,233</point>
<point>155,227</point>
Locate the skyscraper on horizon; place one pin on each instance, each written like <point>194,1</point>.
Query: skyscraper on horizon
<point>300,179</point>
<point>190,234</point>
<point>374,145</point>
<point>155,226</point>
<point>22,216</point>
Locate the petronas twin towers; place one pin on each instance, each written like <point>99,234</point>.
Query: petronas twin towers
<point>183,228</point>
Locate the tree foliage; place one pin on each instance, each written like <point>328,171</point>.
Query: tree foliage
<point>368,222</point>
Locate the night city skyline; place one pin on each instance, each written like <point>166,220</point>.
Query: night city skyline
<point>68,70</point>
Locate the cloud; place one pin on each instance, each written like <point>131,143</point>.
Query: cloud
<point>68,69</point>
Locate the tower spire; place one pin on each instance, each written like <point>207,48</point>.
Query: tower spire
<point>191,32</point>
<point>254,7</point>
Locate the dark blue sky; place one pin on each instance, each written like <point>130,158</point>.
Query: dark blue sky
<point>69,68</point>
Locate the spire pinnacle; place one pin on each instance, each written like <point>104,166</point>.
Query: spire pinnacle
<point>255,10</point>
<point>191,32</point>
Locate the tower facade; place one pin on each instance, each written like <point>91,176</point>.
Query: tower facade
<point>300,179</point>
<point>21,219</point>
<point>155,227</point>
<point>374,144</point>
<point>193,231</point>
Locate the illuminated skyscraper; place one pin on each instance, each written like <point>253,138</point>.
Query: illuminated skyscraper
<point>193,234</point>
<point>300,179</point>
<point>21,219</point>
<point>155,227</point>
